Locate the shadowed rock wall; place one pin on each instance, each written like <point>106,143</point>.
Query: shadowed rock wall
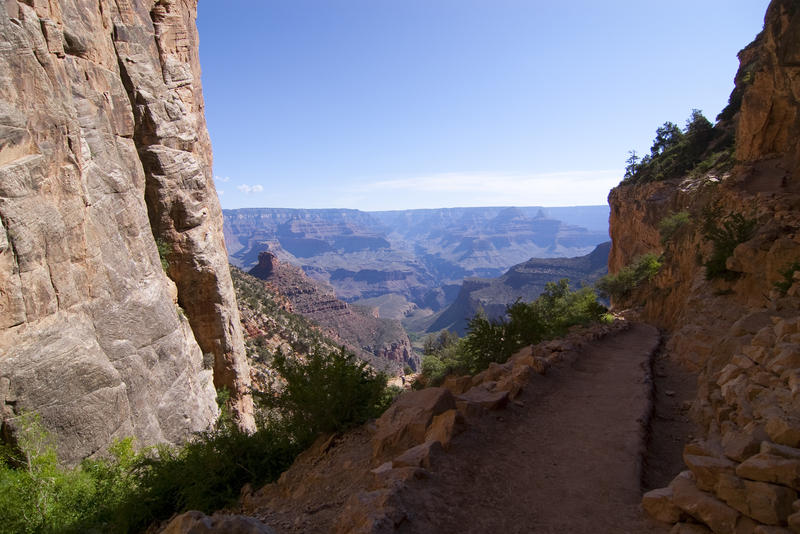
<point>103,149</point>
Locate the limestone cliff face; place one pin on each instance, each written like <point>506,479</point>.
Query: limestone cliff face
<point>740,333</point>
<point>103,150</point>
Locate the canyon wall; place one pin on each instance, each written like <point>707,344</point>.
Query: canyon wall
<point>117,312</point>
<point>739,331</point>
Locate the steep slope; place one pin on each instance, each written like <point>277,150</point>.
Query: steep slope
<point>525,281</point>
<point>381,342</point>
<point>104,150</point>
<point>716,292</point>
<point>270,324</point>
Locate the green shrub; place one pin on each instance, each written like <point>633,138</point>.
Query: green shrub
<point>787,275</point>
<point>725,236</point>
<point>495,340</point>
<point>128,491</point>
<point>620,286</point>
<point>672,226</point>
<point>330,391</point>
<point>676,152</point>
<point>163,252</point>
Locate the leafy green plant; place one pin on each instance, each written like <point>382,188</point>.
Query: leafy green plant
<point>495,340</point>
<point>621,286</point>
<point>725,236</point>
<point>672,226</point>
<point>164,251</point>
<point>787,279</point>
<point>328,392</point>
<point>675,151</point>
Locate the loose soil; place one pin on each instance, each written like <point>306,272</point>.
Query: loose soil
<point>565,458</point>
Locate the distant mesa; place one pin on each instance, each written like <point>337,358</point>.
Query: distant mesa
<point>421,255</point>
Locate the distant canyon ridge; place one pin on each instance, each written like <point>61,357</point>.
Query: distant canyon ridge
<point>402,261</point>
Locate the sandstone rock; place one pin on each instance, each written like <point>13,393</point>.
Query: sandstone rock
<point>766,503</point>
<point>767,467</point>
<point>445,427</point>
<point>420,456</point>
<point>707,469</point>
<point>741,444</point>
<point>780,450</point>
<point>784,429</point>
<point>406,422</point>
<point>372,512</point>
<point>515,381</point>
<point>712,512</point>
<point>386,476</point>
<point>491,374</point>
<point>457,384</point>
<point>194,522</point>
<point>478,400</point>
<point>658,504</point>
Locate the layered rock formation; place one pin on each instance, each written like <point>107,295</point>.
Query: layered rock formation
<point>739,331</point>
<point>104,152</point>
<point>422,255</point>
<point>381,342</point>
<point>525,281</point>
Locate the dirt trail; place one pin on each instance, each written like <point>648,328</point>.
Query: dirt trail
<point>564,459</point>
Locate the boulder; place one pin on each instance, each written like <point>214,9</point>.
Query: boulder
<point>766,467</point>
<point>766,503</point>
<point>406,422</point>
<point>478,400</point>
<point>658,504</point>
<point>707,469</point>
<point>784,429</point>
<point>706,508</point>
<point>445,427</point>
<point>457,384</point>
<point>741,444</point>
<point>420,456</point>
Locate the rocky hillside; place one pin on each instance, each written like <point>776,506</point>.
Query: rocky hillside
<point>105,161</point>
<point>525,281</point>
<point>421,255</point>
<point>729,294</point>
<point>381,342</point>
<point>270,324</point>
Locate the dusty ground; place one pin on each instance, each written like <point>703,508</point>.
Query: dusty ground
<point>565,461</point>
<point>565,457</point>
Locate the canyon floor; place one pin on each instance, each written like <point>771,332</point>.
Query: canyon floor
<point>570,454</point>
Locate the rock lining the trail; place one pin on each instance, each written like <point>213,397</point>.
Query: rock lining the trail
<point>381,477</point>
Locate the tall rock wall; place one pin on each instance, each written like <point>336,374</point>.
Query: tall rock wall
<point>104,152</point>
<point>739,332</point>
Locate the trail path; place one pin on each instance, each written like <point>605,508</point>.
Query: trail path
<point>566,459</point>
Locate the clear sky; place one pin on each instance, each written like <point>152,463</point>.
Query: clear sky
<point>398,104</point>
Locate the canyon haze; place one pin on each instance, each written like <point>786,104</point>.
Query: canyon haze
<point>403,262</point>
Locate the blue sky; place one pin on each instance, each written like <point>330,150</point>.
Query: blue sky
<point>399,104</point>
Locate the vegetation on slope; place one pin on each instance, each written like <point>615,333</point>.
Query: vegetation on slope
<point>549,316</point>
<point>125,492</point>
<point>676,152</point>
